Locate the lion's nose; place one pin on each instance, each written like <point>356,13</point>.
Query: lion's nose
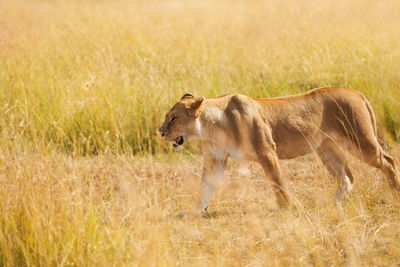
<point>161,132</point>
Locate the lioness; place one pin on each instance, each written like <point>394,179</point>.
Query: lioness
<point>326,121</point>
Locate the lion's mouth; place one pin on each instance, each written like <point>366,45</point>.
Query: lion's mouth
<point>178,142</point>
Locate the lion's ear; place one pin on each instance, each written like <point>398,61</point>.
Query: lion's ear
<point>196,107</point>
<point>187,96</point>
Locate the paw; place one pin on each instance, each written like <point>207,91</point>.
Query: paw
<point>204,207</point>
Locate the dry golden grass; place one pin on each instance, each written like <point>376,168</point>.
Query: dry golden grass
<point>85,77</point>
<point>113,211</point>
<point>85,84</point>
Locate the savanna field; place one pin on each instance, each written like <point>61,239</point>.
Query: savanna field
<point>85,179</point>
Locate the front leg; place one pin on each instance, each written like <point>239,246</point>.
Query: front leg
<point>270,164</point>
<point>265,149</point>
<point>213,171</point>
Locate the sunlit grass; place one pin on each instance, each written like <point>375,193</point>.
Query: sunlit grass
<point>112,210</point>
<point>98,76</point>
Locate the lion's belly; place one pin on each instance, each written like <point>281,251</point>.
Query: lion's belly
<point>296,147</point>
<point>289,152</point>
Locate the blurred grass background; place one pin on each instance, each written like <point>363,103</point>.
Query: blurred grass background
<point>90,77</point>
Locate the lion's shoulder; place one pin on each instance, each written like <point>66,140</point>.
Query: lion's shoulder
<point>242,104</point>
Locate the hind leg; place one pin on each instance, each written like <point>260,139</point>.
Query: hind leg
<point>374,155</point>
<point>334,160</point>
<point>391,170</point>
<point>355,130</point>
<point>366,148</point>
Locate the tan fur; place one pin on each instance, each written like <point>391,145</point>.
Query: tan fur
<point>327,121</point>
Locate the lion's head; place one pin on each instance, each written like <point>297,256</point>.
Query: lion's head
<point>182,121</point>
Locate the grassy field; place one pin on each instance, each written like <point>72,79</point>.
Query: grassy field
<point>86,180</point>
<point>115,211</point>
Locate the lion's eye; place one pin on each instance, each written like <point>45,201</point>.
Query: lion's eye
<point>172,121</point>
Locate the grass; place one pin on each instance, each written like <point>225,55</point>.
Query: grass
<point>86,180</point>
<point>114,211</point>
<point>96,76</point>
